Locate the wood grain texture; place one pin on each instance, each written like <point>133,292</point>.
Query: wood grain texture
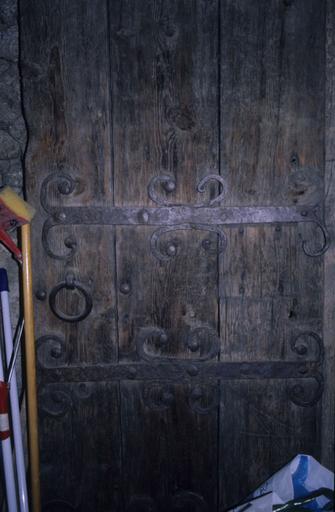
<point>69,97</point>
<point>65,69</point>
<point>272,81</point>
<point>178,295</point>
<point>80,458</point>
<point>168,446</point>
<point>165,122</point>
<point>263,431</point>
<point>165,96</point>
<point>115,94</point>
<point>67,107</point>
<point>272,134</point>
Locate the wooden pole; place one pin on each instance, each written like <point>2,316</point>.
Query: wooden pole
<point>34,464</point>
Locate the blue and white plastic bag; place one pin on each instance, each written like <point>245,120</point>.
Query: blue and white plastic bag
<point>297,480</point>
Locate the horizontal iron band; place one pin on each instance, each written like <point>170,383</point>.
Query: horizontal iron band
<point>181,371</point>
<point>171,215</point>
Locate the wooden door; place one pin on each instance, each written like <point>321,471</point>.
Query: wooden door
<point>177,157</point>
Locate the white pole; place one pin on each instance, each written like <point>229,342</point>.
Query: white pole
<point>7,454</point>
<point>14,400</point>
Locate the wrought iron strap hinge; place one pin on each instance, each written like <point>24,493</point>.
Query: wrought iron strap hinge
<point>54,364</point>
<point>198,372</point>
<point>171,217</point>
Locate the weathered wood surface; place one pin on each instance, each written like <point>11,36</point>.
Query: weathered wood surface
<point>272,83</point>
<point>262,431</point>
<point>165,123</point>
<point>80,457</point>
<point>66,84</point>
<point>271,148</point>
<point>69,133</point>
<point>118,93</point>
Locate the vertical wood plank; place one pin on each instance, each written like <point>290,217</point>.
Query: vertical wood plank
<point>272,74</point>
<point>68,111</point>
<point>66,95</point>
<point>165,97</point>
<point>263,432</point>
<point>80,456</point>
<point>272,136</point>
<point>165,120</point>
<point>169,446</point>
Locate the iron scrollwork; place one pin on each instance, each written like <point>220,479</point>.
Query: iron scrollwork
<point>325,238</point>
<point>299,395</point>
<point>169,185</point>
<point>158,396</point>
<point>65,186</point>
<point>70,283</point>
<point>205,216</point>
<point>70,242</point>
<point>55,402</point>
<point>202,340</point>
<point>208,216</point>
<point>51,351</point>
<point>302,345</point>
<point>171,248</point>
<point>167,182</point>
<point>203,399</point>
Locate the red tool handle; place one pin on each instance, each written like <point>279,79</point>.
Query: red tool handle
<point>4,418</point>
<point>8,242</point>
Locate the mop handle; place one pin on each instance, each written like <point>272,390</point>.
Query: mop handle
<point>17,212</point>
<point>17,340</point>
<point>7,454</point>
<point>13,394</point>
<point>29,337</point>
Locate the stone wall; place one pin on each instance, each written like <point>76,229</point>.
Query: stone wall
<point>12,125</point>
<point>12,135</point>
<point>12,140</point>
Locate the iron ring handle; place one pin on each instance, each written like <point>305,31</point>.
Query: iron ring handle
<point>70,284</point>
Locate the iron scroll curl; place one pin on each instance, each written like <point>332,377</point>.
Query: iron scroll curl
<point>70,242</point>
<point>202,341</point>
<point>304,398</point>
<point>52,351</point>
<point>66,184</point>
<point>207,215</point>
<point>302,345</point>
<point>325,240</point>
<point>168,184</point>
<point>303,342</point>
<point>171,249</point>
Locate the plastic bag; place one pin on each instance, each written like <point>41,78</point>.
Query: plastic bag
<point>303,484</point>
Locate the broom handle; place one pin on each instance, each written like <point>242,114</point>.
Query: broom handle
<point>30,369</point>
<point>13,393</point>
